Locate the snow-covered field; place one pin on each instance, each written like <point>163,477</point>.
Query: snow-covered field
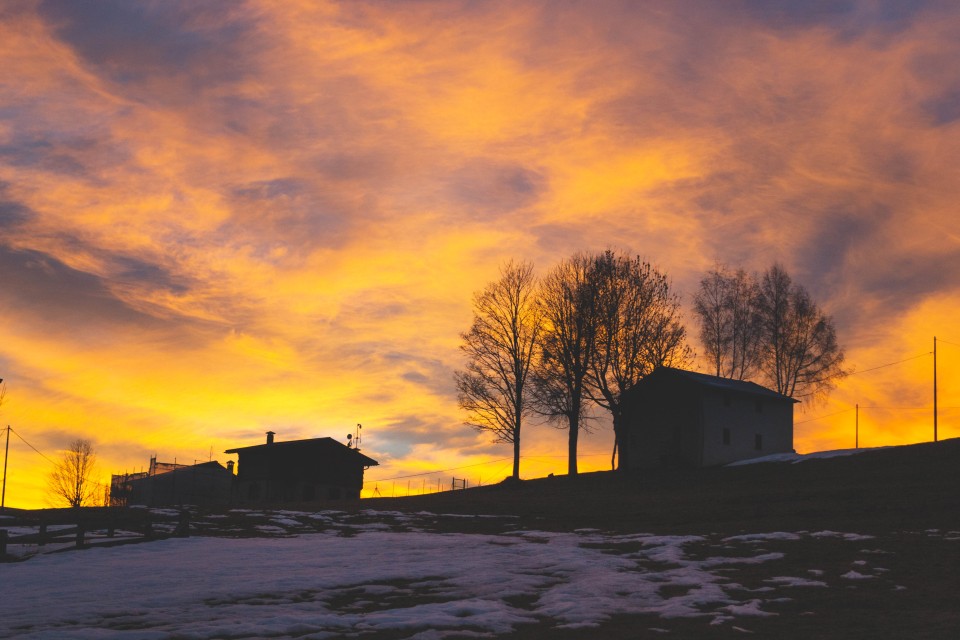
<point>332,574</point>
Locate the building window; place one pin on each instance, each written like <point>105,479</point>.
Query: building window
<point>758,442</point>
<point>726,436</point>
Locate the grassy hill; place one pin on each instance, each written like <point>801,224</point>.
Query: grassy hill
<point>907,487</point>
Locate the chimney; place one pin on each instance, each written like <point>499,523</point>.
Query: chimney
<point>230,467</point>
<point>270,435</point>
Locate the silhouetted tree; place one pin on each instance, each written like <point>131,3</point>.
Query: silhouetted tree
<point>638,330</point>
<point>71,480</point>
<point>568,302</point>
<point>727,307</point>
<point>768,327</point>
<point>800,353</point>
<point>500,347</point>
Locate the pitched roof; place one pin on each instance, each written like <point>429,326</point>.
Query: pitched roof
<point>715,382</point>
<point>310,443</point>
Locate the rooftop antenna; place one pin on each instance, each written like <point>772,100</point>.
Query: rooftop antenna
<point>353,439</point>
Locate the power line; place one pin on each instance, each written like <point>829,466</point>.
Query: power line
<point>579,456</point>
<point>430,473</point>
<point>948,342</point>
<point>890,364</point>
<point>923,408</point>
<point>867,406</point>
<point>33,447</point>
<point>829,415</point>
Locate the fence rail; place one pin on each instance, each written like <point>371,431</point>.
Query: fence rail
<point>80,528</point>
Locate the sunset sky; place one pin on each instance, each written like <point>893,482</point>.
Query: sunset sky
<point>223,218</point>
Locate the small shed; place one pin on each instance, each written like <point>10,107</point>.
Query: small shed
<point>299,471</point>
<point>674,417</point>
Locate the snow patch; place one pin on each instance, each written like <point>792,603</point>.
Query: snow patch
<point>856,575</point>
<point>791,581</point>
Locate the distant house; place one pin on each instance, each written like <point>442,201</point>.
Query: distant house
<point>299,470</point>
<point>674,417</point>
<point>173,484</point>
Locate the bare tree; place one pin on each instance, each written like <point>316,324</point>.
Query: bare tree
<point>801,355</point>
<point>568,302</point>
<point>500,347</point>
<point>638,330</point>
<point>71,481</point>
<point>768,327</point>
<point>727,307</point>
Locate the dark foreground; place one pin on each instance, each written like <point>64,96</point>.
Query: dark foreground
<point>908,498</point>
<point>869,544</point>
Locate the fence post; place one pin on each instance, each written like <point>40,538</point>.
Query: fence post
<point>183,526</point>
<point>80,534</point>
<point>42,536</point>
<point>3,543</point>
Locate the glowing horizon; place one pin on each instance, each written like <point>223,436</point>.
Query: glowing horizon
<point>222,220</point>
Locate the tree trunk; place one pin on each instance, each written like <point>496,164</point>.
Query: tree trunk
<point>620,443</point>
<point>572,448</point>
<point>516,454</point>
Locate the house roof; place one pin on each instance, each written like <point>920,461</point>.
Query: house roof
<point>328,444</point>
<point>714,382</point>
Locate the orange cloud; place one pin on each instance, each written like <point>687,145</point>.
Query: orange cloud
<point>219,221</point>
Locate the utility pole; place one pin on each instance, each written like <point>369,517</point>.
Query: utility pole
<point>856,442</point>
<point>934,388</point>
<point>6,454</point>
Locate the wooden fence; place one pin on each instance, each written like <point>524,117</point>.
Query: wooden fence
<point>86,527</point>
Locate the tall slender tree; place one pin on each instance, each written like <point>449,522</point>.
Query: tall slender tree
<point>638,330</point>
<point>500,348</point>
<point>568,302</point>
<point>727,307</point>
<point>768,327</point>
<point>710,305</point>
<point>801,356</point>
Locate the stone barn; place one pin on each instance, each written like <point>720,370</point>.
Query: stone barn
<point>682,418</point>
<point>299,471</point>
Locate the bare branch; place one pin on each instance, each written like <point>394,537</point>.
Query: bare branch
<point>500,347</point>
<point>71,481</point>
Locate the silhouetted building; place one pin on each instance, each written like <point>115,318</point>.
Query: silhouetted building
<point>674,417</point>
<point>174,484</point>
<point>299,470</point>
